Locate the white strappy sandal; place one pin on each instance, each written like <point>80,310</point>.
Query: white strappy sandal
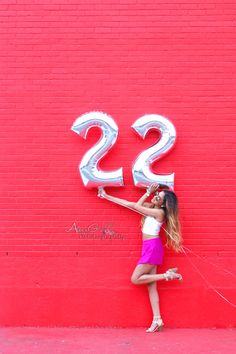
<point>156,326</point>
<point>171,274</point>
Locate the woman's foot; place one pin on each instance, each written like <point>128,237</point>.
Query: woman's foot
<point>171,274</point>
<point>156,326</point>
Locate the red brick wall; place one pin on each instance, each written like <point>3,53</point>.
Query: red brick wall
<point>60,59</point>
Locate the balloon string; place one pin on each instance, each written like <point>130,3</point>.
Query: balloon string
<point>208,283</point>
<point>207,261</point>
<point>202,276</point>
<point>222,269</point>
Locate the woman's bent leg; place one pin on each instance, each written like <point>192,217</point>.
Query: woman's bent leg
<point>142,274</point>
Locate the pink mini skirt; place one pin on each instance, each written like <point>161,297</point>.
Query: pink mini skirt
<point>152,252</point>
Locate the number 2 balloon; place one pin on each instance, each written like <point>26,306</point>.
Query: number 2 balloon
<point>92,176</point>
<point>142,174</point>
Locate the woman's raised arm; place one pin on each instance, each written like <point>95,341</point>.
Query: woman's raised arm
<point>125,203</point>
<point>139,207</point>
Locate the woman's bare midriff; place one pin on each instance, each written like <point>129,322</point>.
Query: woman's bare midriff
<point>149,237</point>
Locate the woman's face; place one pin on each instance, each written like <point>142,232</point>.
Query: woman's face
<point>158,198</point>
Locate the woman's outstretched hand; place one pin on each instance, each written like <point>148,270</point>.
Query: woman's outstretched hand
<point>101,193</point>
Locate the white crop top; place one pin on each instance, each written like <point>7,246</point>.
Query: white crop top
<point>151,226</point>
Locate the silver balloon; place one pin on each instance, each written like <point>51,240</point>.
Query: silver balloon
<point>142,174</point>
<point>91,175</point>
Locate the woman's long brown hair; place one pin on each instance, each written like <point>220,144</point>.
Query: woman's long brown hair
<point>173,228</point>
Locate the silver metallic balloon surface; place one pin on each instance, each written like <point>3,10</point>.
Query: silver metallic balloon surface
<point>91,175</point>
<point>142,174</point>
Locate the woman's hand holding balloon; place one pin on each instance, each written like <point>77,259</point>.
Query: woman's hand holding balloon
<point>101,193</point>
<point>152,188</point>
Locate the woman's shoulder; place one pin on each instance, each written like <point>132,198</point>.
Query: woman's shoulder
<point>160,216</point>
<point>160,213</point>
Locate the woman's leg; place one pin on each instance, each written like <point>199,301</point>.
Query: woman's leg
<point>157,323</point>
<point>141,275</point>
<point>153,296</point>
<point>148,272</point>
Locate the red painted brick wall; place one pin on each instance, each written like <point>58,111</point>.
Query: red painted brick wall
<point>60,59</point>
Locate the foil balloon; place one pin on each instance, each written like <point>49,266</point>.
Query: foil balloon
<point>142,174</point>
<point>91,175</point>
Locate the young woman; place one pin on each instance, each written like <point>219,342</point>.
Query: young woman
<point>162,209</point>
